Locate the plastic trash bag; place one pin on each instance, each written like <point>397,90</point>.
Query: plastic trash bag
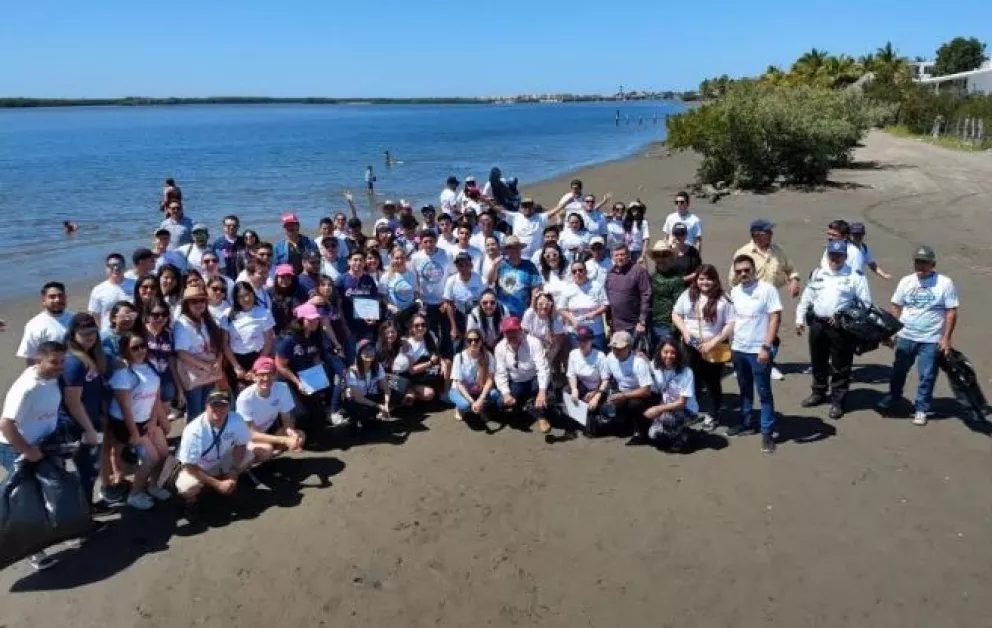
<point>964,382</point>
<point>41,504</point>
<point>868,324</point>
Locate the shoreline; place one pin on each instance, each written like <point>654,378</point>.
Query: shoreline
<point>17,102</point>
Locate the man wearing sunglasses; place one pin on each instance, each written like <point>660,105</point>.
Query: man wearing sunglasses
<point>694,228</point>
<point>115,288</point>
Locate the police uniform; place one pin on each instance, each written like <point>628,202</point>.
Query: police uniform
<point>831,350</point>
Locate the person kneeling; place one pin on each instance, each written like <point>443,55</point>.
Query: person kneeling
<point>523,373</point>
<point>267,406</point>
<point>213,450</point>
<point>365,398</point>
<point>631,375</point>
<point>472,384</point>
<point>588,381</point>
<point>675,384</point>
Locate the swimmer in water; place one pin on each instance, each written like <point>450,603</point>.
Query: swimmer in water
<point>70,227</point>
<point>389,160</point>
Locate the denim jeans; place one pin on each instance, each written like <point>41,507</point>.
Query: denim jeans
<point>925,355</point>
<point>752,374</point>
<point>86,458</point>
<point>659,333</point>
<point>335,364</point>
<point>598,341</point>
<point>493,399</point>
<point>196,401</point>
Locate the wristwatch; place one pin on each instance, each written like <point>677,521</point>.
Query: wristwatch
<point>766,347</point>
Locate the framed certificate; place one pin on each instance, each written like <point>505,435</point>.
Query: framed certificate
<point>366,308</point>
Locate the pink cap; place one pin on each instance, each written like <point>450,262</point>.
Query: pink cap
<point>290,217</point>
<point>264,364</point>
<point>284,269</point>
<point>510,324</point>
<point>308,312</point>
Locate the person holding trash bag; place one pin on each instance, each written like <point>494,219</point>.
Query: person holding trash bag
<point>30,416</point>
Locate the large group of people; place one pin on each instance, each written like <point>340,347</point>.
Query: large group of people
<point>565,318</point>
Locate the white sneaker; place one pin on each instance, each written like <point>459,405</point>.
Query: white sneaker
<point>777,375</point>
<point>140,501</point>
<point>458,414</point>
<point>159,493</point>
<point>175,415</point>
<point>709,423</point>
<point>920,418</point>
<point>338,419</point>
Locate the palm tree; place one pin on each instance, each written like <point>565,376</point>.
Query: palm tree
<point>773,75</point>
<point>840,71</point>
<point>890,65</point>
<point>808,68</point>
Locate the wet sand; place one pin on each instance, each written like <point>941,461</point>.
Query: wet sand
<point>866,521</point>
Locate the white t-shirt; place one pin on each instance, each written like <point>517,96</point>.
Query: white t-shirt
<point>246,332</point>
<point>205,446</point>
<point>693,226</point>
<point>465,294</point>
<point>479,241</point>
<point>191,337</point>
<point>615,235</point>
<point>193,255</point>
<point>635,239</point>
<point>400,288</point>
<point>751,307</point>
<point>32,403</point>
<point>671,385</point>
<point>105,295</point>
<point>571,242</point>
<point>597,270</point>
<point>431,271</point>
<point>143,382</point>
<point>590,370</point>
<point>416,350</point>
<point>220,311</point>
<point>473,252</point>
<point>924,304</point>
<point>701,329</point>
<point>261,411</point>
<point>571,202</point>
<point>542,328</point>
<point>43,327</point>
<point>528,230</point>
<point>555,286</point>
<point>487,266</point>
<point>465,369</point>
<point>580,300</point>
<point>595,222</point>
<point>448,201</point>
<point>631,374</point>
<point>370,384</point>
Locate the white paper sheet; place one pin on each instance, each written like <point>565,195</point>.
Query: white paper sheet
<point>366,308</point>
<point>577,410</point>
<point>314,379</point>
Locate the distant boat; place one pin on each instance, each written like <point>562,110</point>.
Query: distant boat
<point>551,100</point>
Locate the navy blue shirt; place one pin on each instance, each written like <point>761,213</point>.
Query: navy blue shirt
<point>301,353</point>
<point>349,287</point>
<point>77,374</point>
<point>227,254</point>
<point>308,283</point>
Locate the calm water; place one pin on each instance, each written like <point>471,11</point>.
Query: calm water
<point>104,167</point>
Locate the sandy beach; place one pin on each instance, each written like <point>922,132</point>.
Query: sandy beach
<point>866,521</point>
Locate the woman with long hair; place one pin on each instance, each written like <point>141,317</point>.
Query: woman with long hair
<point>428,371</point>
<point>492,256</point>
<point>250,334</point>
<point>84,380</point>
<point>146,291</point>
<point>248,251</point>
<point>473,384</point>
<point>286,295</point>
<point>162,357</point>
<point>136,417</point>
<point>583,303</point>
<point>384,245</point>
<point>552,270</point>
<point>332,319</point>
<point>123,318</point>
<point>543,322</point>
<point>193,279</point>
<point>373,267</point>
<point>366,380</point>
<point>574,238</point>
<point>302,347</point>
<point>687,260</point>
<point>389,345</point>
<point>703,317</point>
<point>217,302</point>
<point>399,288</point>
<point>673,383</point>
<point>390,354</point>
<point>199,345</point>
<point>635,229</point>
<point>486,317</point>
<point>170,281</point>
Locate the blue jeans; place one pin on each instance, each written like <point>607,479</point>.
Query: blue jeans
<point>335,364</point>
<point>659,333</point>
<point>196,401</point>
<point>752,374</point>
<point>598,342</point>
<point>925,355</point>
<point>493,399</point>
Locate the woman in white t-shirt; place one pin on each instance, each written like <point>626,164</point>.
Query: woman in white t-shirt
<point>704,317</point>
<point>217,303</point>
<point>250,333</point>
<point>574,238</point>
<point>588,378</point>
<point>673,383</point>
<point>552,268</point>
<point>365,398</point>
<point>461,292</point>
<point>486,317</point>
<point>635,228</point>
<point>428,371</point>
<point>473,387</point>
<point>544,323</point>
<point>267,408</point>
<point>492,256</point>
<point>199,344</point>
<point>583,303</point>
<point>399,289</point>
<point>138,419</point>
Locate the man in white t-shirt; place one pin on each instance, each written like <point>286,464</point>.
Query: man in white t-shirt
<point>30,415</point>
<point>165,254</point>
<point>267,407</point>
<point>213,450</point>
<point>47,326</point>
<point>694,227</point>
<point>194,252</point>
<point>630,373</point>
<point>926,303</point>
<point>527,224</point>
<point>107,293</point>
<point>570,202</point>
<point>432,266</point>
<point>449,197</point>
<point>757,314</point>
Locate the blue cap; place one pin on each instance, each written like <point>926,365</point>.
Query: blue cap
<point>857,228</point>
<point>762,225</point>
<point>838,247</point>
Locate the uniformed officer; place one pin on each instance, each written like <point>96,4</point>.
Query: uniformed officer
<point>831,351</point>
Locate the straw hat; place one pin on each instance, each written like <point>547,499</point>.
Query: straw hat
<point>194,292</point>
<point>661,248</point>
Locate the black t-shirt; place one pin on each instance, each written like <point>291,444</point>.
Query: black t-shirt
<point>687,263</point>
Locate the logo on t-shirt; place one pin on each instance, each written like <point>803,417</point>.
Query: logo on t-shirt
<point>920,298</point>
<point>432,271</point>
<point>509,282</point>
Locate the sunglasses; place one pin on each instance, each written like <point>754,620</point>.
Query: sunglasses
<point>578,270</point>
<point>140,347</point>
<point>473,341</point>
<point>218,403</point>
<point>115,267</point>
<point>418,325</point>
<point>742,271</point>
<point>217,288</point>
<point>681,202</point>
<point>158,315</point>
<point>590,200</point>
<point>487,302</point>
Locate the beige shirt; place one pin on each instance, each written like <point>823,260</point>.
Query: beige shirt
<point>772,266</point>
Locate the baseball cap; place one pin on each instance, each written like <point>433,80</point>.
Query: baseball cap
<point>311,256</point>
<point>389,203</point>
<point>527,200</point>
<point>284,269</point>
<point>837,247</point>
<point>199,227</point>
<point>289,218</point>
<point>511,323</point>
<point>405,204</point>
<point>621,340</point>
<point>762,225</point>
<point>452,180</point>
<point>264,364</point>
<point>365,345</point>
<point>218,397</point>
<point>584,333</point>
<point>679,228</point>
<point>83,321</point>
<point>857,228</point>
<point>469,179</point>
<point>593,241</point>
<point>307,311</point>
<point>513,242</point>
<point>925,254</point>
<point>428,209</point>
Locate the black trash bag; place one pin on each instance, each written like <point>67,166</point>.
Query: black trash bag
<point>41,504</point>
<point>964,382</point>
<point>868,324</point>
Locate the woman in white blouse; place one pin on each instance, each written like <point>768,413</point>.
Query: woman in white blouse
<point>583,303</point>
<point>199,343</point>
<point>636,234</point>
<point>473,382</point>
<point>428,371</point>
<point>543,322</point>
<point>674,387</point>
<point>250,332</point>
<point>588,379</point>
<point>574,238</point>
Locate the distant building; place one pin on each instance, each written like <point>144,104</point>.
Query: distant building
<point>922,69</point>
<point>972,82</point>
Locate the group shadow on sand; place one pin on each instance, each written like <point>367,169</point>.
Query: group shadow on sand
<point>282,482</point>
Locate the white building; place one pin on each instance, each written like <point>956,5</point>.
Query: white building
<point>972,82</point>
<point>922,69</point>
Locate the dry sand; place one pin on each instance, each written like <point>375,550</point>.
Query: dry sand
<point>866,521</point>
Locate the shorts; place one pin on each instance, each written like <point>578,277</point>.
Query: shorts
<point>186,481</point>
<point>118,429</point>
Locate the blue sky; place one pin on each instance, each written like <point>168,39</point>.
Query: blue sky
<point>102,48</point>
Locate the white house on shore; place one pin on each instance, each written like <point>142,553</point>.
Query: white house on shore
<point>972,82</point>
